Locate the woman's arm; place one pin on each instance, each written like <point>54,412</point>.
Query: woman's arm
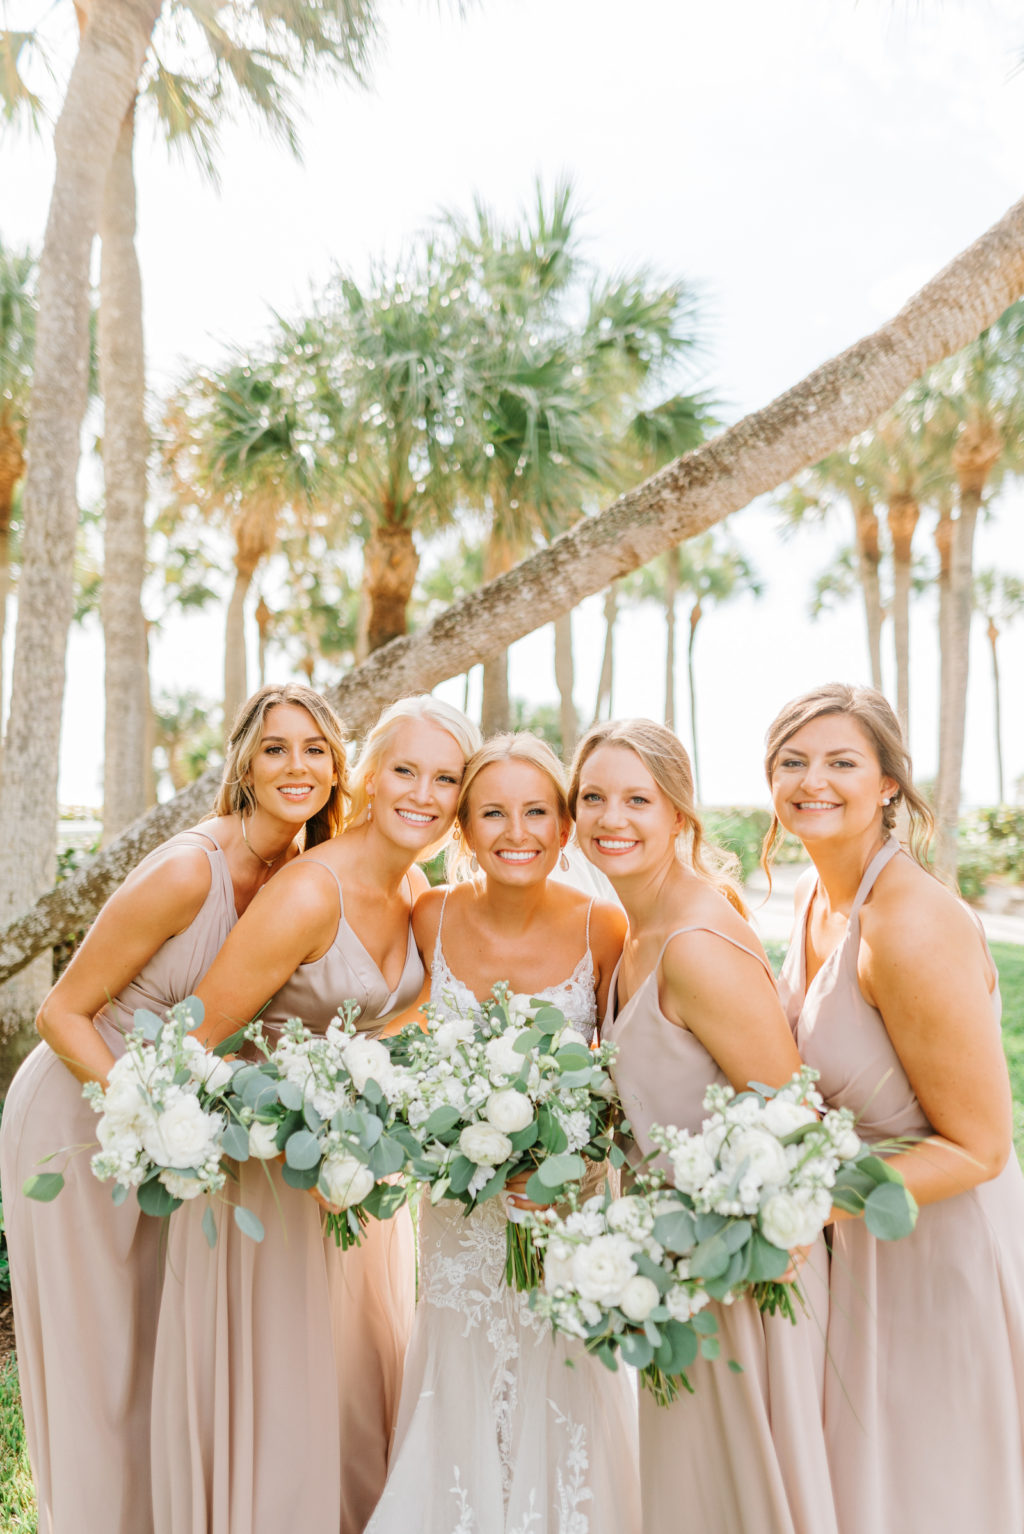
<point>152,905</point>
<point>608,927</point>
<point>291,921</point>
<point>922,964</point>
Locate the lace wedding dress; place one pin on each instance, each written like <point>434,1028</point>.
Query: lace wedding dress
<point>503,1428</point>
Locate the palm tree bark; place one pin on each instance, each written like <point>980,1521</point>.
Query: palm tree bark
<point>100,90</point>
<point>943,538</point>
<point>12,467</point>
<point>903,516</point>
<point>603,706</point>
<point>695,617</point>
<point>869,557</point>
<point>125,451</point>
<point>389,574</point>
<point>495,702</point>
<point>759,453</point>
<point>670,592</point>
<point>236,685</point>
<point>565,680</point>
<point>993,639</point>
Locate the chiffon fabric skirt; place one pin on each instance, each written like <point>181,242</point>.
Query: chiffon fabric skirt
<point>503,1428</point>
<point>278,1368</point>
<point>924,1400</point>
<point>86,1284</point>
<point>744,1454</point>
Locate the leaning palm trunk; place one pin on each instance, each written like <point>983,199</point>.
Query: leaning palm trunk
<point>125,450</point>
<point>565,679</point>
<point>759,453</point>
<point>903,516</point>
<point>100,91</point>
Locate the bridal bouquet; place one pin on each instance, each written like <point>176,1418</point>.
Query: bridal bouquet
<point>163,1117</point>
<point>322,1102</point>
<point>757,1181</point>
<point>490,1092</point>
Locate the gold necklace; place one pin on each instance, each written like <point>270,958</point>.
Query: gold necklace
<point>267,862</point>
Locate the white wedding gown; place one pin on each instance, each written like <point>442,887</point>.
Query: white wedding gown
<point>503,1428</point>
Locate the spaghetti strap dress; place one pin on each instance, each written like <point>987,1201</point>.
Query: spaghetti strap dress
<point>278,1364</point>
<point>924,1391</point>
<point>745,1454</point>
<point>503,1427</point>
<point>86,1273</point>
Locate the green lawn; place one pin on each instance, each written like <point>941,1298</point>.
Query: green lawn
<point>17,1503</point>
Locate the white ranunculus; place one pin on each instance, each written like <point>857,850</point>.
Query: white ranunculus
<point>263,1141</point>
<point>602,1269</point>
<point>367,1059</point>
<point>509,1110</point>
<point>765,1157</point>
<point>781,1117</point>
<point>182,1135</point>
<point>691,1162</point>
<point>639,1297</point>
<point>125,1107</point>
<point>205,1066</point>
<point>630,1215</point>
<point>451,1033</point>
<point>180,1187</point>
<point>788,1221</point>
<point>503,1059</point>
<point>484,1144</point>
<point>345,1181</point>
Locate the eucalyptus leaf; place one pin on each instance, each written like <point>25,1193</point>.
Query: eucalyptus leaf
<point>890,1212</point>
<point>234,1141</point>
<point>767,1262</point>
<point>192,1011</point>
<point>386,1157</point>
<point>636,1350</point>
<point>460,1173</point>
<point>442,1120</point>
<point>248,1223</point>
<point>879,1170</point>
<point>302,1150</point>
<point>710,1347</point>
<point>119,1193</point>
<point>154,1199</point>
<point>209,1227</point>
<point>710,1258</point>
<point>676,1231</point>
<point>557,1170</point>
<point>147,1023</point>
<point>230,1045</point>
<point>290,1095</point>
<point>43,1186</point>
<point>304,1177</point>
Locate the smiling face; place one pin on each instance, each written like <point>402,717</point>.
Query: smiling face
<point>415,786</point>
<point>293,771</point>
<point>625,823</point>
<point>827,782</point>
<point>513,825</point>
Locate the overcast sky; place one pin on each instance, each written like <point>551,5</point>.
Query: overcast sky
<point>808,166</point>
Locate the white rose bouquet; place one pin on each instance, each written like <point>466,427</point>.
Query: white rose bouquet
<point>322,1102</point>
<point>485,1095</point>
<point>163,1119</point>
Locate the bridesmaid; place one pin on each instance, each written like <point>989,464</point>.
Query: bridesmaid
<point>279,1365</point>
<point>693,1002</point>
<point>85,1274</point>
<point>494,1432</point>
<point>892,996</point>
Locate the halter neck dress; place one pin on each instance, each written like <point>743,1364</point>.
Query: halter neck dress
<point>279,1364</point>
<point>745,1454</point>
<point>496,1435</point>
<point>924,1391</point>
<point>86,1273</point>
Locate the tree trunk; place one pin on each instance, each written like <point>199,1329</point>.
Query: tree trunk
<point>903,517</point>
<point>495,702</point>
<point>869,557</point>
<point>236,685</point>
<point>565,679</point>
<point>12,467</point>
<point>100,91</point>
<point>125,452</point>
<point>695,617</point>
<point>993,637</point>
<point>670,592</point>
<point>390,562</point>
<point>759,453</point>
<point>603,706</point>
<point>943,535</point>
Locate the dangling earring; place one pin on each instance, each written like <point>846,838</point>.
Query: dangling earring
<point>369,810</point>
<point>563,861</point>
<point>474,866</point>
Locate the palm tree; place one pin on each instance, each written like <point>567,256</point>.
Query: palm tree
<point>754,457</point>
<point>1000,600</point>
<point>17,346</point>
<point>708,572</point>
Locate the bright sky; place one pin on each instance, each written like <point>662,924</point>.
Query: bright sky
<point>807,165</point>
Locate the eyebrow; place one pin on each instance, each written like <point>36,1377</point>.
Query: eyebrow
<point>283,739</point>
<point>529,804</point>
<point>832,751</point>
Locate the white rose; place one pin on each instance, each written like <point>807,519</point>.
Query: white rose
<point>367,1059</point>
<point>183,1135</point>
<point>263,1141</point>
<point>503,1059</point>
<point>520,1007</point>
<point>206,1067</point>
<point>781,1117</point>
<point>124,1107</point>
<point>639,1297</point>
<point>788,1221</point>
<point>484,1145</point>
<point>765,1157</point>
<point>181,1187</point>
<point>345,1181</point>
<point>509,1110</point>
<point>631,1216</point>
<point>602,1269</point>
<point>450,1034</point>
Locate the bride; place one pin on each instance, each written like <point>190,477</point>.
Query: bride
<point>496,1435</point>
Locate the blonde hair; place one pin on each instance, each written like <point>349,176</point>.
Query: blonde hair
<point>668,763</point>
<point>421,706</point>
<point>522,746</point>
<point>875,715</point>
<point>235,795</point>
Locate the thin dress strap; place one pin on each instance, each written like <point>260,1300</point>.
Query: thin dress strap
<point>700,927</point>
<point>341,898</point>
<point>590,907</point>
<point>438,950</point>
<point>884,855</point>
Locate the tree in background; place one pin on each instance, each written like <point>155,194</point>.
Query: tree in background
<point>1000,600</point>
<point>17,347</point>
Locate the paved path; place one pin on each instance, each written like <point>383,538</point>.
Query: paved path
<point>773,917</point>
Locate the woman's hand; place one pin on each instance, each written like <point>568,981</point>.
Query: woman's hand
<point>514,1191</point>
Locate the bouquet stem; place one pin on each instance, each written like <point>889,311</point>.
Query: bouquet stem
<point>663,1387</point>
<point>347,1227</point>
<point>524,1267</point>
<point>777,1299</point>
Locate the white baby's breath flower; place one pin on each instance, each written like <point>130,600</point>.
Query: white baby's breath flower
<point>485,1145</point>
<point>345,1181</point>
<point>632,1216</point>
<point>509,1110</point>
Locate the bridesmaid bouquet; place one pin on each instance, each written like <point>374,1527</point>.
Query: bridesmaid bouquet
<point>758,1181</point>
<point>163,1117</point>
<point>490,1092</point>
<point>321,1101</point>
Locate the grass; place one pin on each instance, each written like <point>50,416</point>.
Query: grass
<point>17,1499</point>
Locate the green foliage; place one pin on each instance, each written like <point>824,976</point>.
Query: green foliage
<point>990,846</point>
<point>17,1495</point>
<point>742,830</point>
